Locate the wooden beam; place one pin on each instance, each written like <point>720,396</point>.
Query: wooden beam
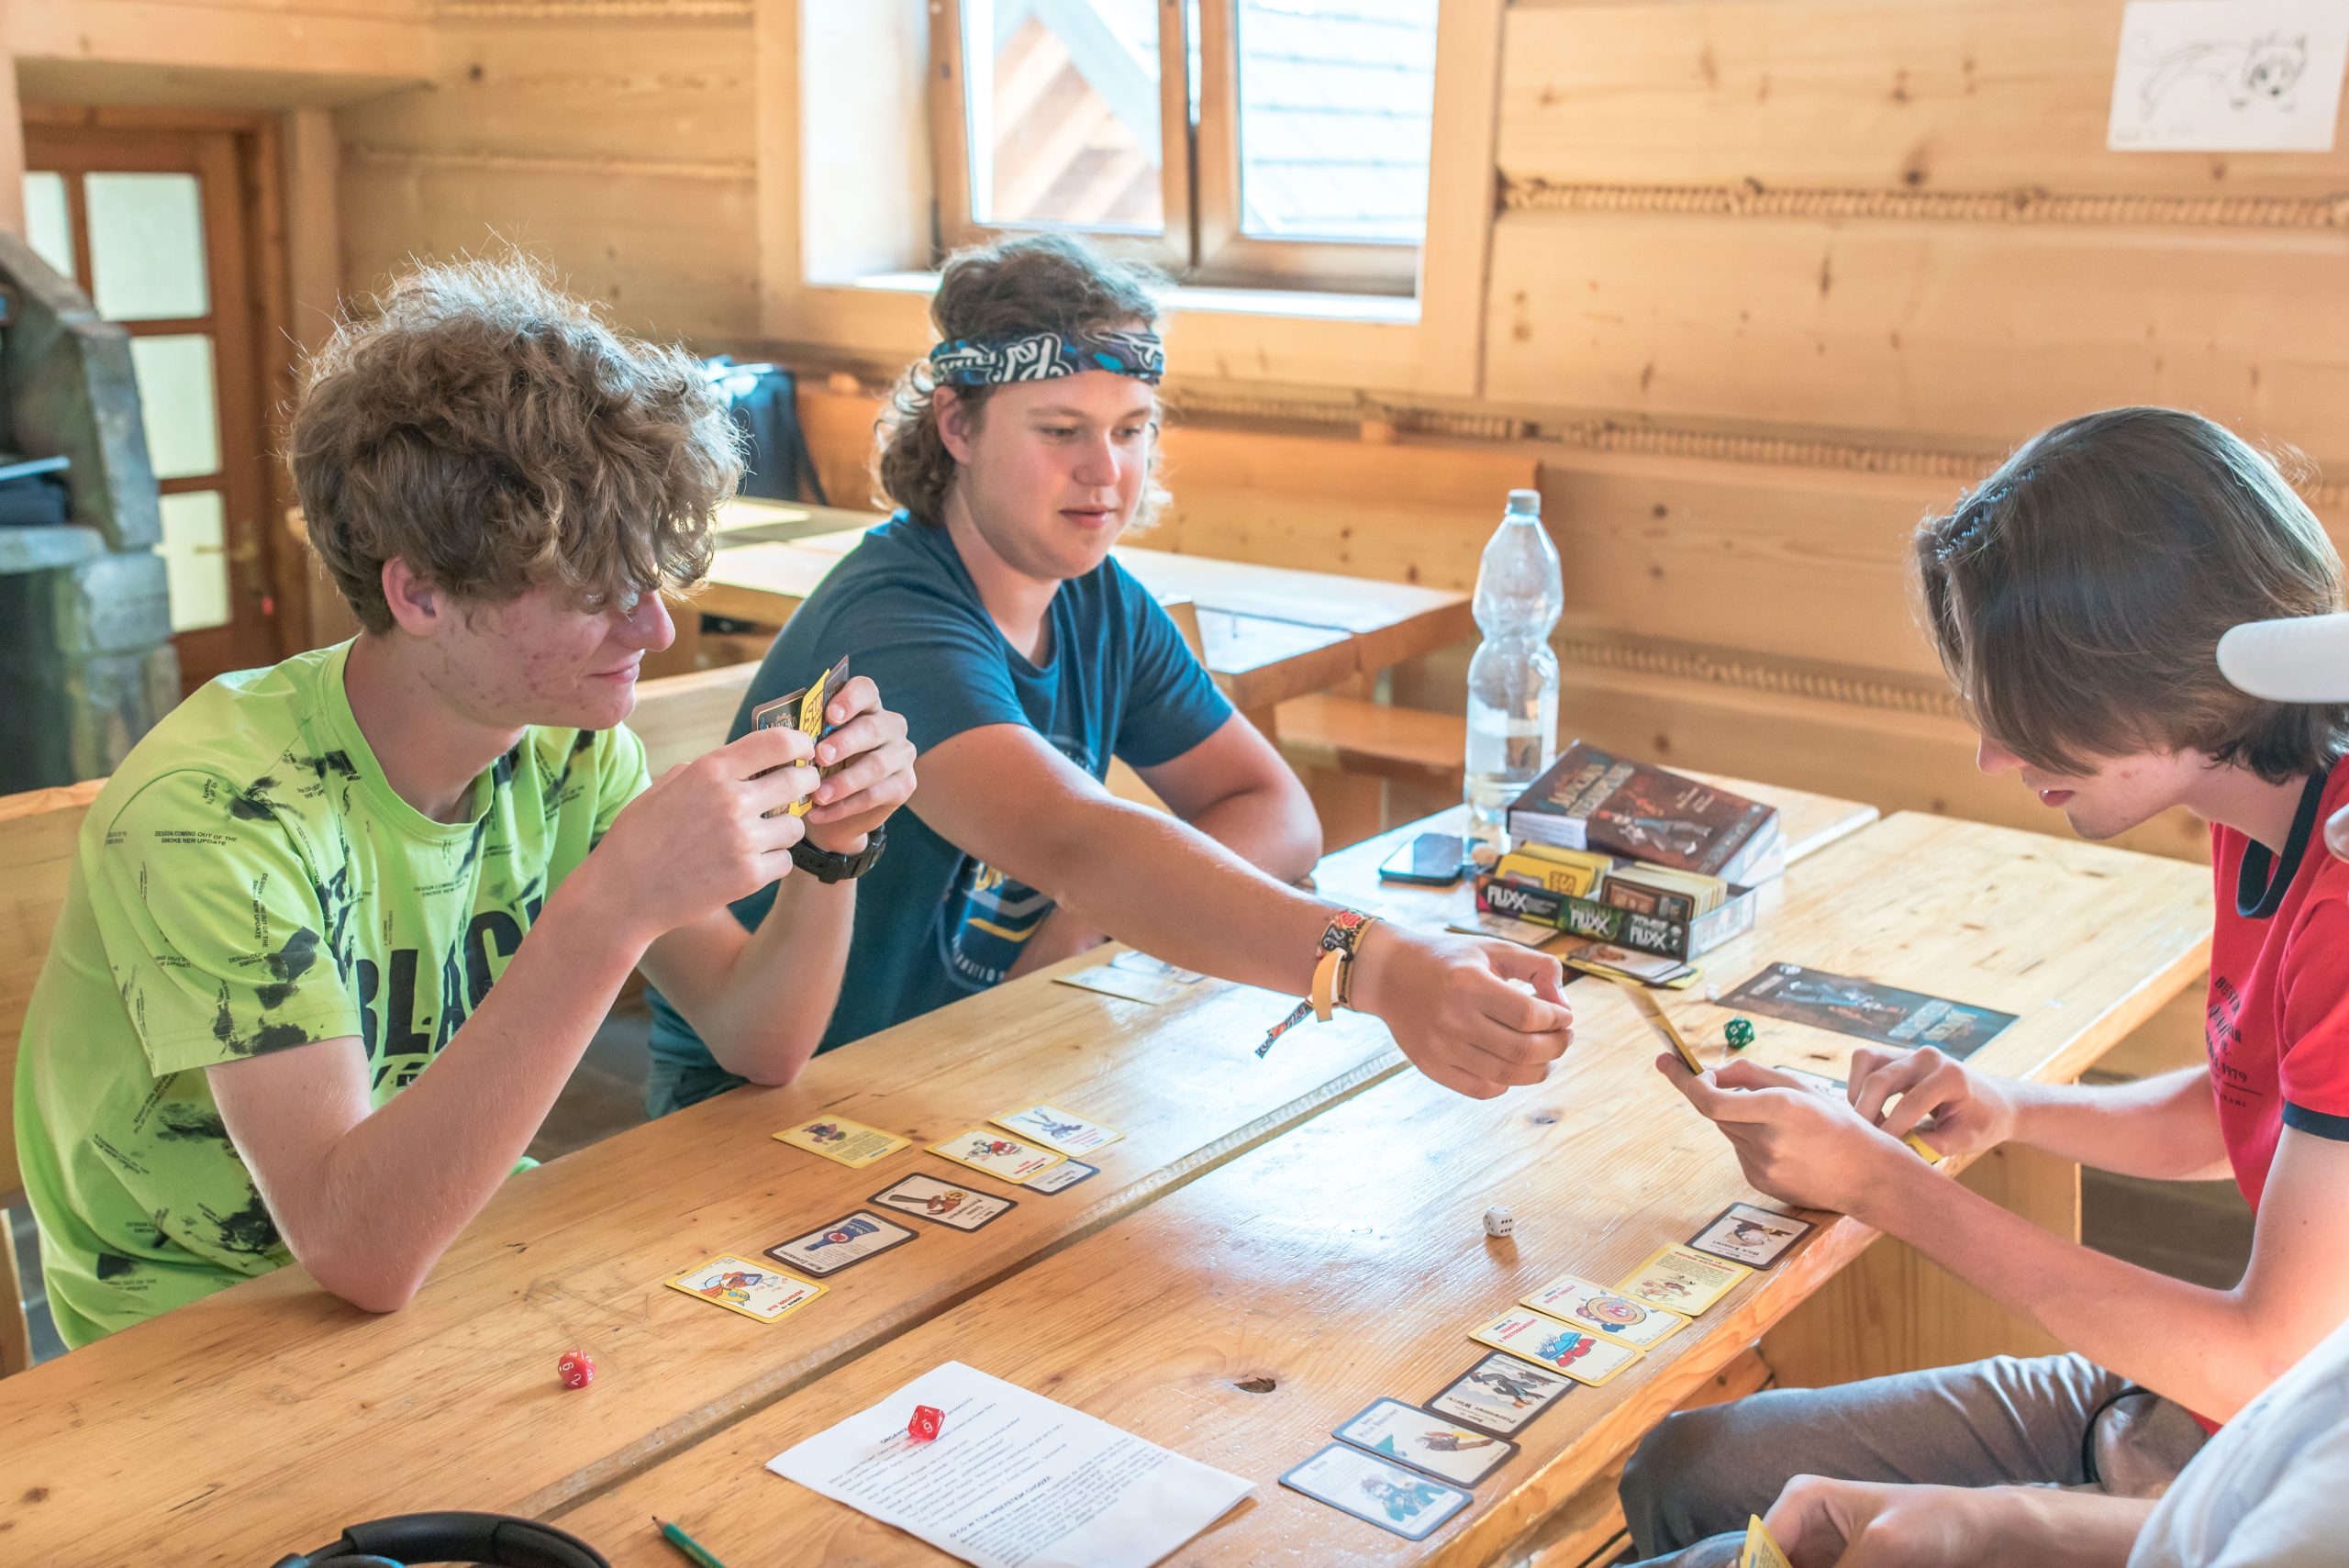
<point>1461,200</point>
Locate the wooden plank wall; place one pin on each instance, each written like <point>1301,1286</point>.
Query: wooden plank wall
<point>1769,282</point>
<point>614,142</point>
<point>1814,265</point>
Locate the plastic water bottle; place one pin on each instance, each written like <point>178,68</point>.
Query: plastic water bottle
<point>1513,679</point>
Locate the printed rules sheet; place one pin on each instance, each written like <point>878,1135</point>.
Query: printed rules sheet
<point>1013,1480</point>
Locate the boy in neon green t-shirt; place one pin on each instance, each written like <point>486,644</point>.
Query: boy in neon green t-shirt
<point>266,1031</point>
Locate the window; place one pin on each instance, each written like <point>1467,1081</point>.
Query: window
<point>1245,143</point>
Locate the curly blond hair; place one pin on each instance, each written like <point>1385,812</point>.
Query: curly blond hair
<point>492,432</point>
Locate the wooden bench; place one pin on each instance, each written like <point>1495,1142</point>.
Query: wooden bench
<point>1369,765</point>
<point>37,830</point>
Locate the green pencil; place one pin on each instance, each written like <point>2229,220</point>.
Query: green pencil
<point>696,1552</point>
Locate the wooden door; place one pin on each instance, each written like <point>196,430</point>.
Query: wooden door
<point>153,224</point>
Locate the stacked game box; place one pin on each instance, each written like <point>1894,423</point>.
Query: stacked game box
<point>1628,853</point>
<point>1589,800</point>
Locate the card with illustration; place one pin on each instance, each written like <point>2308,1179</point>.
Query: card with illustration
<point>1501,1395</point>
<point>846,1142</point>
<point>751,1289</point>
<point>1545,1342</point>
<point>1156,968</point>
<point>1606,958</point>
<point>1820,1081</point>
<point>1864,1009</point>
<point>1110,980</point>
<point>1746,1234</point>
<point>847,1240</point>
<point>1371,1488</point>
<point>1590,1305</point>
<point>804,710</point>
<point>1006,1159</point>
<point>1062,1177</point>
<point>1055,1129</point>
<point>1761,1549</point>
<point>943,1203</point>
<point>1681,1281</point>
<point>1503,928</point>
<point>1408,1435</point>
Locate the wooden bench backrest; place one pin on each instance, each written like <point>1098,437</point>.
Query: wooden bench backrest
<point>36,833</point>
<point>680,716</point>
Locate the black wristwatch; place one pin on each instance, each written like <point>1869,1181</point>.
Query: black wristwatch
<point>827,867</point>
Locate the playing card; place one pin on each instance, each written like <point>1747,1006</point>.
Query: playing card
<point>751,1289</point>
<point>1370,1488</point>
<point>1604,1312</point>
<point>804,710</point>
<point>1111,981</point>
<point>1661,1021</point>
<point>1682,1280</point>
<point>1744,1234</point>
<point>1485,923</point>
<point>1543,1341</point>
<point>1062,1177</point>
<point>1156,968</point>
<point>1886,1014</point>
<point>1500,1394</point>
<point>1606,958</point>
<point>1408,1435</point>
<point>846,1142</point>
<point>984,1148</point>
<point>1761,1550</point>
<point>943,1203</point>
<point>847,1240</point>
<point>1820,1081</point>
<point>1057,1130</point>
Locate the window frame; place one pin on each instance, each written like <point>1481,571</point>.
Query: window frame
<point>952,111</point>
<point>1224,254</point>
<point>1203,240</point>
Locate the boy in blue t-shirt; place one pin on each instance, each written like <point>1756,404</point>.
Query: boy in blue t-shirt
<point>1023,658</point>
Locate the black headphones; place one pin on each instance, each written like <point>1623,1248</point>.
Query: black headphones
<point>499,1541</point>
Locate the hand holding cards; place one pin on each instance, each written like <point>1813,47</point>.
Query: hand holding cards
<point>804,710</point>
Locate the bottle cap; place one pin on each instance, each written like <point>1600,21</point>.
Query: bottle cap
<point>1528,501</point>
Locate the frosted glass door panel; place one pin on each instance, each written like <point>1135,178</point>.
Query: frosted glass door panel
<point>147,247</point>
<point>177,400</point>
<point>196,559</point>
<point>49,224</point>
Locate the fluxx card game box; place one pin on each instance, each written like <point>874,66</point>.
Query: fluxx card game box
<point>1658,933</point>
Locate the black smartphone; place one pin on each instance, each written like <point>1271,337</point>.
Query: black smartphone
<point>1431,859</point>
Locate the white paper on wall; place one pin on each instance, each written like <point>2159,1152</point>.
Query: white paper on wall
<point>2229,76</point>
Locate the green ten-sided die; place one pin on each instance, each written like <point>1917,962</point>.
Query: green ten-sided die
<point>1739,1033</point>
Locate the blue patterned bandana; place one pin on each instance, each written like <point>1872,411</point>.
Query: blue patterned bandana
<point>1041,356</point>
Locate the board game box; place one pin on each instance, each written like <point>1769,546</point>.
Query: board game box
<point>1590,799</point>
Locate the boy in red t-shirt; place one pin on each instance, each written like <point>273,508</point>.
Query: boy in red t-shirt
<point>2078,596</point>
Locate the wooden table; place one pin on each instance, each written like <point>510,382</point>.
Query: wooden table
<point>748,520</point>
<point>1345,1260</point>
<point>261,1419</point>
<point>1267,633</point>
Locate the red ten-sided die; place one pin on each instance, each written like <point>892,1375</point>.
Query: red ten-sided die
<point>927,1420</point>
<point>576,1370</point>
